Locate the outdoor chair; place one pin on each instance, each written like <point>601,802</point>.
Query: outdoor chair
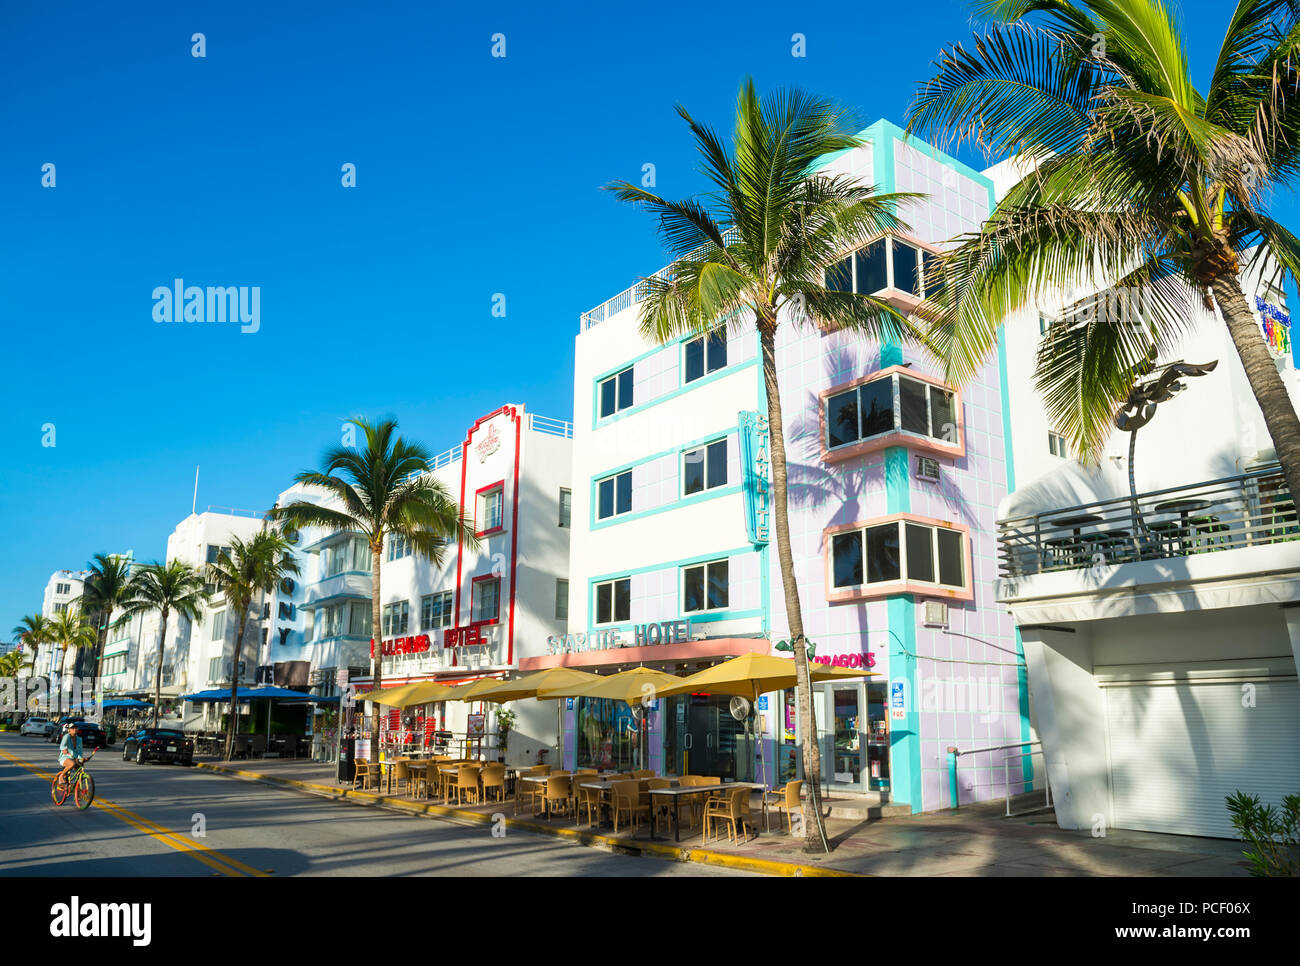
<point>734,811</point>
<point>589,798</point>
<point>643,773</point>
<point>663,809</point>
<point>401,773</point>
<point>467,784</point>
<point>258,749</point>
<point>362,774</point>
<point>559,794</point>
<point>494,776</point>
<point>527,792</point>
<point>785,801</point>
<point>626,797</point>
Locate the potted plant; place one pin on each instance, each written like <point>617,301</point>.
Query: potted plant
<point>505,721</point>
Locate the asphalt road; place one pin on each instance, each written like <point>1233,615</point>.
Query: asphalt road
<point>167,820</point>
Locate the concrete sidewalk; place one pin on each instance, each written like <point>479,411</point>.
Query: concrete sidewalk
<point>975,841</point>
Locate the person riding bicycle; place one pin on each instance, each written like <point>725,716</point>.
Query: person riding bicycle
<point>70,752</point>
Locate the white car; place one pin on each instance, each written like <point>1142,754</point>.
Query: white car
<point>36,726</point>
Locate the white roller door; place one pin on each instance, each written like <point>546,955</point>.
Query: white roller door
<point>1177,750</point>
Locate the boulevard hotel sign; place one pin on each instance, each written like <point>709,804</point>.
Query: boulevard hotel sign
<point>469,636</point>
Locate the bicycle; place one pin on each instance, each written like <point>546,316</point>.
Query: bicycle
<point>78,782</point>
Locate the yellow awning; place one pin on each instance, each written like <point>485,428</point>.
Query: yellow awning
<point>528,685</point>
<point>751,675</point>
<point>637,684</point>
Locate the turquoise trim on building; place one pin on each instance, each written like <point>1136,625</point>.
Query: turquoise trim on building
<point>598,421</point>
<point>669,565</point>
<point>618,518</point>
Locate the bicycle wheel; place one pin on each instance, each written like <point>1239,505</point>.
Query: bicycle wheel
<point>59,792</point>
<point>85,791</point>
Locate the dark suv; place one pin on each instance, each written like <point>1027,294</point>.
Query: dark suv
<point>158,744</point>
<point>61,727</point>
<point>92,735</point>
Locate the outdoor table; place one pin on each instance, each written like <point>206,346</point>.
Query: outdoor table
<point>1070,546</point>
<point>1184,509</point>
<point>676,795</point>
<point>417,767</point>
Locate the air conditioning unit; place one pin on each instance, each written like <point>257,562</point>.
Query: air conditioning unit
<point>936,614</point>
<point>927,468</point>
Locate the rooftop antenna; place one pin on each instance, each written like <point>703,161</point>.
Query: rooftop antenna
<point>195,504</point>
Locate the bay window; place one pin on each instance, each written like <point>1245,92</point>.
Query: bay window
<point>882,265</point>
<point>891,402</point>
<point>903,554</point>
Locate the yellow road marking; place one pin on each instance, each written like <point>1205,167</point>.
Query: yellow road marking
<point>182,843</point>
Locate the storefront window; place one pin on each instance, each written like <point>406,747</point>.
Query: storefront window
<point>607,735</point>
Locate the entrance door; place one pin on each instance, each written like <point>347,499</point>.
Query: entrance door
<point>846,713</point>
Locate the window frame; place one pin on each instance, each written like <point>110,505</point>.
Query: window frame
<point>704,565</point>
<point>475,583</point>
<point>395,540</point>
<point>891,291</point>
<point>705,484</point>
<point>613,479</point>
<point>428,620</point>
<point>613,602</point>
<point>480,496</point>
<point>904,583</point>
<point>707,344</point>
<point>619,403</point>
<point>896,436</point>
<point>566,511</point>
<point>386,617</point>
<point>561,598</point>
<point>1052,437</point>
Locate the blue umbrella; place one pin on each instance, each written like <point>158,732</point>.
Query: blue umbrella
<point>249,694</point>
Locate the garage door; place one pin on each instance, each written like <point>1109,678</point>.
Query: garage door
<point>1177,750</point>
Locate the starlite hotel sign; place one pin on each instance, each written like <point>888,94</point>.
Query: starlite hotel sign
<point>754,442</point>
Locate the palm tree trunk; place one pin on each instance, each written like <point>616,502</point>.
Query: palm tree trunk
<point>99,651</point>
<point>813,836</point>
<point>157,678</point>
<point>1261,373</point>
<point>232,725</point>
<point>376,642</point>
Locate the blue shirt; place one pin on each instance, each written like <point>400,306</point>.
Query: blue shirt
<point>70,747</point>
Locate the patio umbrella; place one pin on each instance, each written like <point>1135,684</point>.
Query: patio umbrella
<point>528,685</point>
<point>630,687</point>
<point>394,697</point>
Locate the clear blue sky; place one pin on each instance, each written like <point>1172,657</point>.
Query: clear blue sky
<point>475,176</point>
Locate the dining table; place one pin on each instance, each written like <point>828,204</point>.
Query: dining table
<point>677,793</point>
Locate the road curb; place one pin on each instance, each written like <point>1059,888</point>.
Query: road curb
<point>583,837</point>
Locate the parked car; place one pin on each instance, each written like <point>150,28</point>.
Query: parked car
<point>61,727</point>
<point>36,726</point>
<point>158,744</point>
<point>92,735</point>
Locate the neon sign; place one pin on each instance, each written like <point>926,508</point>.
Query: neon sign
<point>866,659</point>
<point>402,645</point>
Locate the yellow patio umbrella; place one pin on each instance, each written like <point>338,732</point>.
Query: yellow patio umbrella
<point>628,686</point>
<point>391,697</point>
<point>527,686</point>
<point>751,675</point>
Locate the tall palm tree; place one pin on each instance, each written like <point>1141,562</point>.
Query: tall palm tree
<point>386,489</point>
<point>246,571</point>
<point>106,590</point>
<point>167,588</point>
<point>33,631</point>
<point>70,631</point>
<point>1138,178</point>
<point>755,250</point>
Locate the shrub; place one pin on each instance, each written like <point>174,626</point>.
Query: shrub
<point>1272,834</point>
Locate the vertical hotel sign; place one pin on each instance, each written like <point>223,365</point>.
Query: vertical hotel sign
<point>755,458</point>
<point>1277,326</point>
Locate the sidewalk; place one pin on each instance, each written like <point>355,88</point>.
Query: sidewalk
<point>975,841</point>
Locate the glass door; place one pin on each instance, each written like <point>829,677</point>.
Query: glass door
<point>842,734</point>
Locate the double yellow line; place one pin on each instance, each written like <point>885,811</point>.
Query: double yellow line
<point>222,863</point>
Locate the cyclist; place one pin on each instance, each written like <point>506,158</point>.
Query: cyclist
<point>70,752</point>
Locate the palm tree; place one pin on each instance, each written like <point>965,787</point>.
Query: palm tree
<point>1137,178</point>
<point>246,571</point>
<point>70,631</point>
<point>11,662</point>
<point>756,249</point>
<point>106,590</point>
<point>33,631</point>
<point>175,586</point>
<point>386,489</point>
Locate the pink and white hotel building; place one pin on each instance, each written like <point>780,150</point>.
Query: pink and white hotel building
<point>894,483</point>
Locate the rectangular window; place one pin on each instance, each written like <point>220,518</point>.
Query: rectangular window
<point>561,599</point>
<point>614,495</point>
<point>928,555</point>
<point>218,626</point>
<point>486,603</point>
<point>871,266</point>
<point>566,507</point>
<point>398,547</point>
<point>1056,444</point>
<point>869,410</point>
<point>490,507</point>
<point>214,553</point>
<point>397,619</point>
<point>616,393</point>
<point>614,601</point>
<point>359,626</point>
<point>435,611</point>
<point>839,277</point>
<point>907,268</point>
<point>705,355</point>
<point>704,468</point>
<point>705,587</point>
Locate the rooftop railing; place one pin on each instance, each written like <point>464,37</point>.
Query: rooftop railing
<point>550,426</point>
<point>1253,509</point>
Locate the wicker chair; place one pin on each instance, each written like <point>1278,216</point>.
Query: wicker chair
<point>528,792</point>
<point>401,773</point>
<point>785,801</point>
<point>734,811</point>
<point>626,797</point>
<point>558,796</point>
<point>494,776</point>
<point>467,784</point>
<point>363,774</point>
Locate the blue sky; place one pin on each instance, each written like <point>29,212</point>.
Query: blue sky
<point>475,176</point>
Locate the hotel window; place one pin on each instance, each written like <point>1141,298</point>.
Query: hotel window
<point>63,588</point>
<point>214,553</point>
<point>486,604</point>
<point>490,505</point>
<point>614,601</point>
<point>218,626</point>
<point>359,626</point>
<point>614,495</point>
<point>925,554</point>
<point>1056,444</point>
<point>882,264</point>
<point>616,393</point>
<point>705,355</point>
<point>61,608</point>
<point>566,507</point>
<point>352,554</point>
<point>561,599</point>
<point>1044,323</point>
<point>869,410</point>
<point>398,546</point>
<point>397,619</point>
<point>704,467</point>
<point>435,611</point>
<point>705,587</point>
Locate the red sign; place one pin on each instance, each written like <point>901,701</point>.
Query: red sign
<point>402,645</point>
<point>467,636</point>
<point>847,660</point>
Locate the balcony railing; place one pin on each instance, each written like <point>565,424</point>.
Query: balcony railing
<point>550,425</point>
<point>1253,509</point>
